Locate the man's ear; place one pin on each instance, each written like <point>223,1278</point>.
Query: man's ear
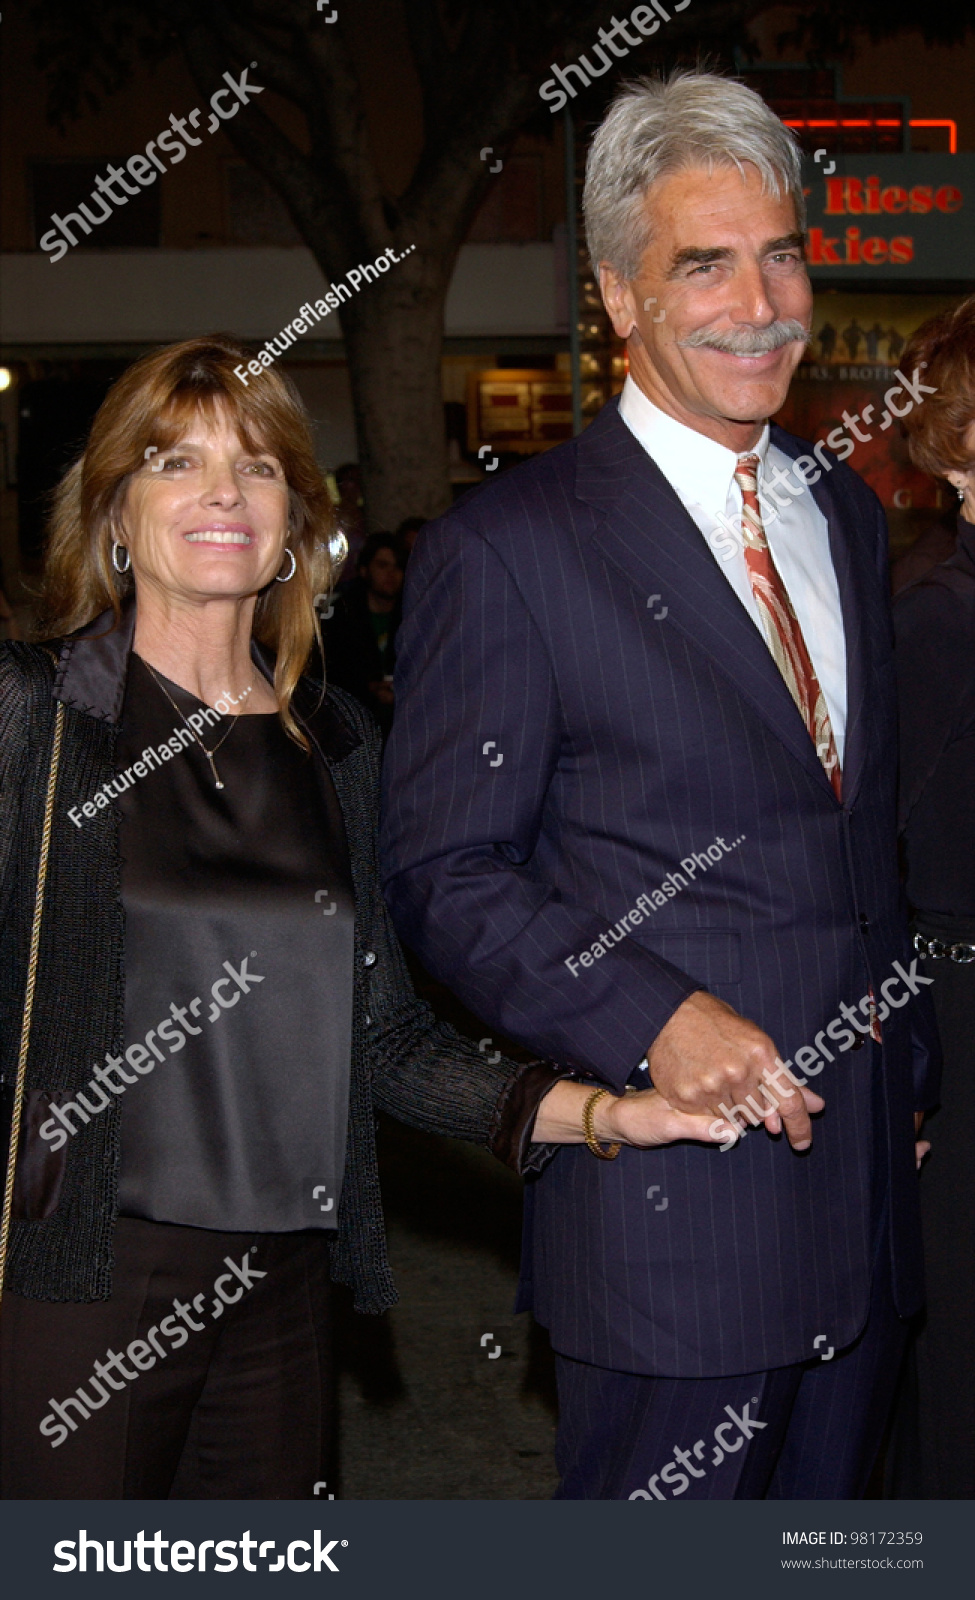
<point>618,300</point>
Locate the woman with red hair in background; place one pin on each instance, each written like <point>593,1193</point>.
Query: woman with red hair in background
<point>934,619</point>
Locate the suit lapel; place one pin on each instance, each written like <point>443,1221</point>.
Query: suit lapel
<point>648,536</point>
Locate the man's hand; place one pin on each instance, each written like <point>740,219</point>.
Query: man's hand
<point>707,1055</point>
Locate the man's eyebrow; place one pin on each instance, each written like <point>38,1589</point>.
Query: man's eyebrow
<point>698,256</point>
<point>788,241</point>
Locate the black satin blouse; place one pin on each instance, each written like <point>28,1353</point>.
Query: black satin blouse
<point>238,973</point>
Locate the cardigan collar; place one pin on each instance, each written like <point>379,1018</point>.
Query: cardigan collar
<point>93,667</point>
<point>966,539</point>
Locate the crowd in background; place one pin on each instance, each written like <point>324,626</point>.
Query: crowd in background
<point>360,623</point>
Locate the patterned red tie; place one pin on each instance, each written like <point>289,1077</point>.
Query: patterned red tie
<point>782,628</point>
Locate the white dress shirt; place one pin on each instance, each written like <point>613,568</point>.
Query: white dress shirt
<point>702,473</point>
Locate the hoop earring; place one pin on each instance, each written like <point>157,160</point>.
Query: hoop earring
<point>116,547</point>
<point>294,567</point>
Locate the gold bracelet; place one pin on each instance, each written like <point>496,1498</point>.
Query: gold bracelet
<point>611,1151</point>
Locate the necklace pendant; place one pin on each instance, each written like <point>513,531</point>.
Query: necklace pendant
<point>219,785</point>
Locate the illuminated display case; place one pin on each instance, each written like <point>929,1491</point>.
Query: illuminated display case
<point>521,409</point>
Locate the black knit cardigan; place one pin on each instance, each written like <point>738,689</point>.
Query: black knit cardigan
<point>403,1060</point>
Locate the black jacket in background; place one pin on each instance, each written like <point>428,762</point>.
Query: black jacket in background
<point>934,620</point>
<point>353,659</point>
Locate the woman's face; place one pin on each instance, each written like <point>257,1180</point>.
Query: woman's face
<point>206,519</point>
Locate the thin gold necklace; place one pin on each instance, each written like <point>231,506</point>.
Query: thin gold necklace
<point>208,753</point>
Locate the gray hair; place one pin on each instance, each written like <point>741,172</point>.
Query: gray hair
<point>657,126</point>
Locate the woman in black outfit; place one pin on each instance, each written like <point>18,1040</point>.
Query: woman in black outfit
<point>935,625</point>
<point>202,1000</point>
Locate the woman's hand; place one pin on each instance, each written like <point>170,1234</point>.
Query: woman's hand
<point>643,1119</point>
<point>646,1119</point>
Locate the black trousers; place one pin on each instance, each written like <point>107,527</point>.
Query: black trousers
<point>933,1454</point>
<point>238,1409</point>
<point>809,1432</point>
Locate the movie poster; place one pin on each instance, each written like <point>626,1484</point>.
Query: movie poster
<point>851,363</point>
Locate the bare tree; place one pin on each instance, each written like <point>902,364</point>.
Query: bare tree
<point>479,68</point>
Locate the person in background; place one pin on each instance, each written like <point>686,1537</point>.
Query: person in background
<point>895,344</point>
<point>349,517</point>
<point>934,620</point>
<point>407,533</point>
<point>8,617</point>
<point>852,334</point>
<point>934,544</point>
<point>873,337</point>
<point>360,637</point>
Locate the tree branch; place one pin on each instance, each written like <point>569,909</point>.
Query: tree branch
<point>317,208</point>
<point>285,71</point>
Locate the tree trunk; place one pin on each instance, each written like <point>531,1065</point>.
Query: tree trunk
<point>393,332</point>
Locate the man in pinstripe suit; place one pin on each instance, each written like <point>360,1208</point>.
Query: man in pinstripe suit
<point>640,816</point>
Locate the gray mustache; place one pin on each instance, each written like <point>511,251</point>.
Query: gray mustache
<point>748,341</point>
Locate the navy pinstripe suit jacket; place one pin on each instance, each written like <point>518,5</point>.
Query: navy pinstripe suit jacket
<point>623,740</point>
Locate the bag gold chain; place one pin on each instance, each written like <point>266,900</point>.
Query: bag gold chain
<point>35,945</point>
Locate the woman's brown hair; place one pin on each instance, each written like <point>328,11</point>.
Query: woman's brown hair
<point>148,409</point>
<point>943,350</point>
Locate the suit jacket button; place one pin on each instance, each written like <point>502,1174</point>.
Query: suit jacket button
<point>864,922</point>
<point>859,1042</point>
<point>369,959</point>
